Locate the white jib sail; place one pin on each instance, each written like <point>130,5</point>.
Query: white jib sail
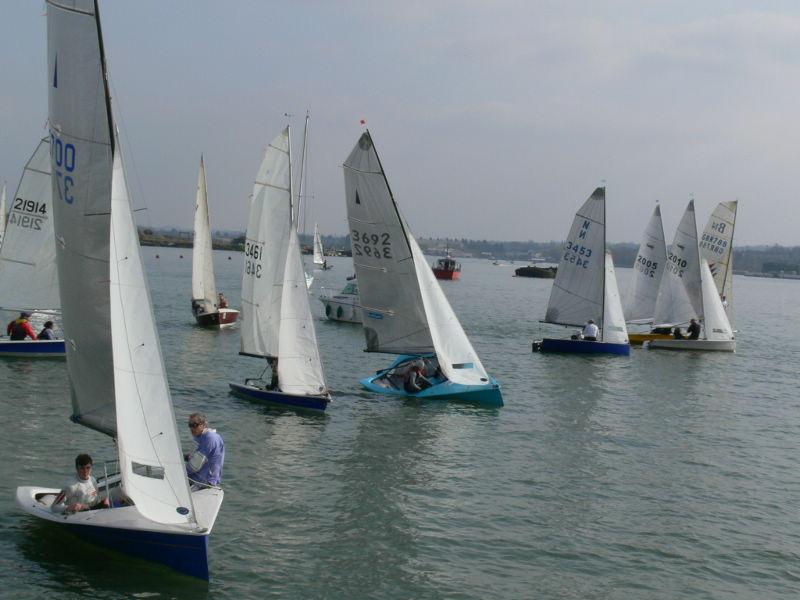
<point>28,274</point>
<point>577,293</point>
<point>204,288</point>
<point>457,358</point>
<point>680,297</point>
<point>393,313</point>
<point>715,322</point>
<point>319,256</point>
<point>716,246</point>
<point>3,212</point>
<point>153,471</point>
<point>614,329</point>
<point>647,272</point>
<point>299,364</point>
<point>266,241</point>
<point>81,162</point>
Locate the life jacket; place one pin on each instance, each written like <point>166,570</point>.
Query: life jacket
<point>18,330</point>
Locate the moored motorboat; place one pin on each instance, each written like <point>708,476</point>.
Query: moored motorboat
<point>344,306</point>
<point>538,272</point>
<point>447,268</point>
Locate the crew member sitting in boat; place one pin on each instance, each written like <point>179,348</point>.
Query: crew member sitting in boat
<point>693,331</point>
<point>204,464</point>
<point>47,332</point>
<point>223,301</point>
<point>590,331</point>
<point>676,333</point>
<point>81,493</point>
<point>415,380</point>
<point>20,328</point>
<point>197,307</point>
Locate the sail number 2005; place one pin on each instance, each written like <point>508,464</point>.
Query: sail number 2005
<point>63,158</point>
<point>373,245</point>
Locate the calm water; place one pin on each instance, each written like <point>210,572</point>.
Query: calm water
<point>656,476</point>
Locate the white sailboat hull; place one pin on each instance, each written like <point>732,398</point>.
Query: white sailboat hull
<point>125,530</point>
<point>704,345</point>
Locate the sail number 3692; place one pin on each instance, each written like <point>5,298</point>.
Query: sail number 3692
<point>373,245</point>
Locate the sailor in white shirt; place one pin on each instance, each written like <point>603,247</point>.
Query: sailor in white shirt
<point>79,493</point>
<point>590,331</point>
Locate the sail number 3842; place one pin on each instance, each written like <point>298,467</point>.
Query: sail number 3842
<point>373,245</point>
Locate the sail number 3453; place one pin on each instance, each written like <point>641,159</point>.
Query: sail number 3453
<point>373,245</point>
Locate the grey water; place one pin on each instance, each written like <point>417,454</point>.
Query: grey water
<point>659,475</point>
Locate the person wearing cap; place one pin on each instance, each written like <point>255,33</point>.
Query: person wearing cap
<point>590,331</point>
<point>204,464</point>
<point>20,328</point>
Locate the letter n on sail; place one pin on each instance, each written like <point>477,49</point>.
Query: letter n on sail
<point>584,229</point>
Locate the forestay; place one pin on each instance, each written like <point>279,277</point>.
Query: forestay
<point>319,257</point>
<point>153,471</point>
<point>300,366</point>
<point>679,297</point>
<point>716,246</point>
<point>392,308</point>
<point>648,270</point>
<point>577,293</point>
<point>457,358</point>
<point>204,288</point>
<point>614,330</point>
<point>715,323</point>
<point>265,250</point>
<point>28,274</point>
<point>81,153</point>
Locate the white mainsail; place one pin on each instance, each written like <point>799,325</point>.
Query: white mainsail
<point>614,330</point>
<point>393,312</point>
<point>319,256</point>
<point>299,365</point>
<point>28,275</point>
<point>577,294</point>
<point>647,272</point>
<point>715,322</point>
<point>680,295</point>
<point>113,353</point>
<point>266,241</point>
<point>457,358</point>
<point>153,471</point>
<point>3,212</point>
<point>716,246</point>
<point>204,288</point>
<point>82,152</point>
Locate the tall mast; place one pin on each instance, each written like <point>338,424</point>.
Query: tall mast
<point>289,145</point>
<point>302,177</point>
<point>603,312</point>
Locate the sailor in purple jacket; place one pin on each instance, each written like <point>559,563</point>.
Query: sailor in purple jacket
<point>204,464</point>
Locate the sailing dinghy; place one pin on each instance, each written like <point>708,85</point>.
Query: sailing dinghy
<point>116,370</point>
<point>717,334</point>
<point>28,276</point>
<point>277,324</point>
<point>205,301</point>
<point>319,255</point>
<point>585,287</point>
<point>716,246</point>
<point>404,310</point>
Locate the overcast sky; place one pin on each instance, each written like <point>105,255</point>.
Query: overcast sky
<point>494,119</point>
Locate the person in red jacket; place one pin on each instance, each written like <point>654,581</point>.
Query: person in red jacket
<point>20,328</point>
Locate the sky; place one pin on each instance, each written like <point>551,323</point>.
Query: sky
<point>493,119</point>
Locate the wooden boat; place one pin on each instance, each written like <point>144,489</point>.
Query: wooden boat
<point>585,287</point>
<point>538,272</point>
<point>277,324</point>
<point>404,310</point>
<point>116,371</point>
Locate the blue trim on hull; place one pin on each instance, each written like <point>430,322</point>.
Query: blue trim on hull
<point>33,348</point>
<point>279,398</point>
<point>582,347</point>
<point>185,553</point>
<point>488,394</point>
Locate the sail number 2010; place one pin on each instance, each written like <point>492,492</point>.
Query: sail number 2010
<point>63,158</point>
<point>373,245</point>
